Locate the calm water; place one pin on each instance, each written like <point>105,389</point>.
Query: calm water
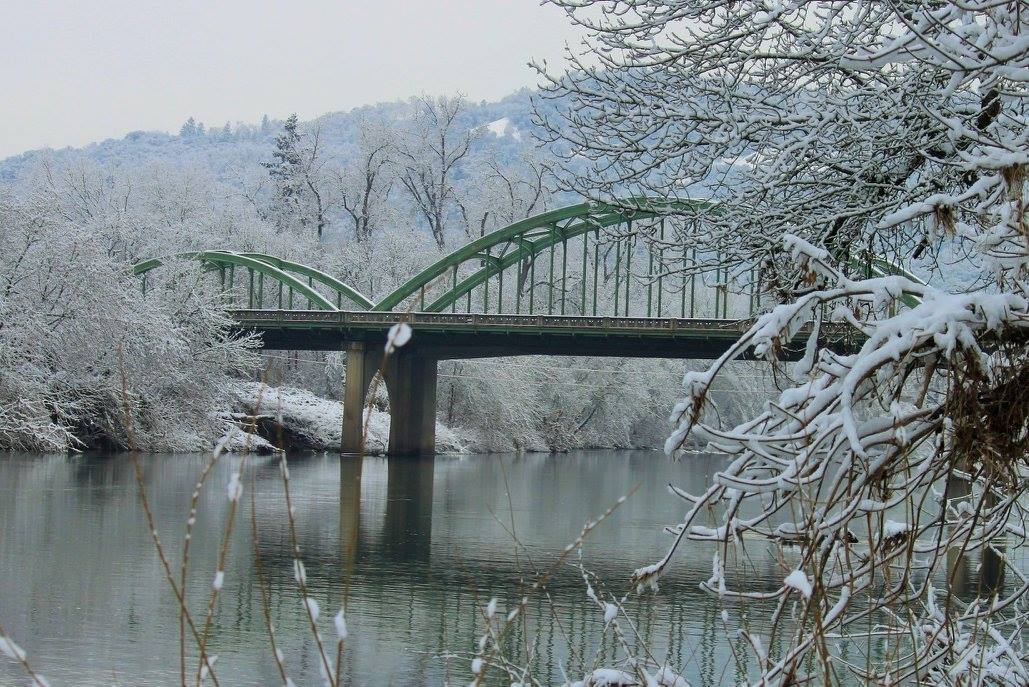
<point>415,544</point>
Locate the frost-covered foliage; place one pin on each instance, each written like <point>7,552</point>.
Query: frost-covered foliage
<point>820,119</point>
<point>898,129</point>
<point>269,190</point>
<point>557,404</point>
<point>296,170</point>
<point>84,358</point>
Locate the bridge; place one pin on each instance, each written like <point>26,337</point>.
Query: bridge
<point>589,279</point>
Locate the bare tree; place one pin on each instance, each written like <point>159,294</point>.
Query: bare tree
<point>73,326</point>
<point>366,183</point>
<point>498,194</point>
<point>797,137</point>
<point>830,132</point>
<point>429,158</point>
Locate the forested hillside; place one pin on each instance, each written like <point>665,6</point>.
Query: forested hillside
<point>222,147</point>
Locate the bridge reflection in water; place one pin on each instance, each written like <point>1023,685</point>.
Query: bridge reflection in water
<point>388,530</point>
<point>411,547</point>
<point>407,524</point>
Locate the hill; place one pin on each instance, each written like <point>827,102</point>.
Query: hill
<point>506,128</point>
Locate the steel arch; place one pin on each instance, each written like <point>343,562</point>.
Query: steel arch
<point>215,259</point>
<point>342,289</point>
<point>522,242</point>
<point>578,220</point>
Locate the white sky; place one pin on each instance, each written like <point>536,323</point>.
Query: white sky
<point>73,72</point>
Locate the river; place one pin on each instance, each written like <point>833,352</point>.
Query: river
<point>417,547</point>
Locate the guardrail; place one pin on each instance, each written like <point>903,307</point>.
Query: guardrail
<point>600,323</point>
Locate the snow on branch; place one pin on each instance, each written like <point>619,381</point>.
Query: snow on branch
<point>836,137</point>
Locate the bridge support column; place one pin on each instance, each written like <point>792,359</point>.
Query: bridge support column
<point>411,382</point>
<point>362,364</point>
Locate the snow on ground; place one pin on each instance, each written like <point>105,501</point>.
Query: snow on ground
<point>235,440</point>
<point>314,422</point>
<point>504,127</point>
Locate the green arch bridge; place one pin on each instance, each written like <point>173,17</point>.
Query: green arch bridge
<point>579,280</point>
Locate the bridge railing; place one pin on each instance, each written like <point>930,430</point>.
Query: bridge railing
<point>317,318</point>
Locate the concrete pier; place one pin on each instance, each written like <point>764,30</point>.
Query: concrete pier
<point>410,378</point>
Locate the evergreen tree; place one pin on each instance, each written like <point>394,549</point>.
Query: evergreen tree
<point>296,171</point>
<point>190,129</point>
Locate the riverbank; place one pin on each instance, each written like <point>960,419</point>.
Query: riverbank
<point>252,417</point>
<point>296,419</point>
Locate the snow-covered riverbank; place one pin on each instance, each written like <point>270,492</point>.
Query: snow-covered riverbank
<point>297,418</point>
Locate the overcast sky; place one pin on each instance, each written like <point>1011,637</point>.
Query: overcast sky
<point>74,72</point>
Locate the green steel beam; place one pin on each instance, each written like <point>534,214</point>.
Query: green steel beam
<point>221,259</point>
<point>529,238</point>
<point>550,240</point>
<point>341,288</point>
<point>589,214</point>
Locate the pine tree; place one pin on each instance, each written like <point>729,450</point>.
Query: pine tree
<point>189,129</point>
<point>295,170</point>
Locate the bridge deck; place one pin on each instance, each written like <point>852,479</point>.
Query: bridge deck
<point>448,335</point>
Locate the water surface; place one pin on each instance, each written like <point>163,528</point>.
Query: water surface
<point>417,547</point>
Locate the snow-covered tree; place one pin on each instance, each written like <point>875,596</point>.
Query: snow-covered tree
<point>429,158</point>
<point>191,128</point>
<point>499,194</point>
<point>832,132</point>
<point>298,170</point>
<point>367,179</point>
<point>86,360</point>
